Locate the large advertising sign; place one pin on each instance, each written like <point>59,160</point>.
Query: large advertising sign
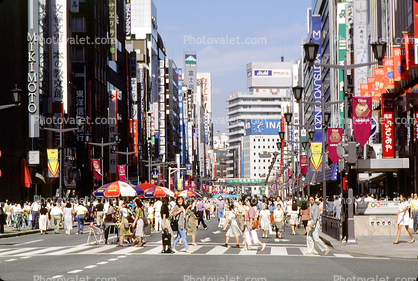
<point>112,129</point>
<point>33,69</point>
<point>59,53</point>
<point>342,49</point>
<point>388,126</point>
<point>112,29</point>
<point>262,127</point>
<point>317,78</point>
<point>361,46</point>
<point>53,162</point>
<point>181,133</point>
<point>128,19</point>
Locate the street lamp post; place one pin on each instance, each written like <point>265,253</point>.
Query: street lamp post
<point>379,49</point>
<point>127,153</point>
<point>101,144</point>
<point>16,95</point>
<point>60,131</point>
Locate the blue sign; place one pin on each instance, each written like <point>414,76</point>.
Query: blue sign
<point>157,135</point>
<point>249,73</point>
<point>262,127</point>
<point>317,78</point>
<point>374,127</point>
<point>263,72</point>
<point>155,172</point>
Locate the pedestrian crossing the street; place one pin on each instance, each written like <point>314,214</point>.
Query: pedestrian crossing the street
<point>153,248</point>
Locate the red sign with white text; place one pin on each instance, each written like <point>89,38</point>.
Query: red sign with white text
<point>399,64</point>
<point>388,126</point>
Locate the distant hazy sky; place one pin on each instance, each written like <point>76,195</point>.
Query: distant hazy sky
<point>277,25</point>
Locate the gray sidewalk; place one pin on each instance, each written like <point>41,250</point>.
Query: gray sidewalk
<point>12,232</point>
<point>377,246</point>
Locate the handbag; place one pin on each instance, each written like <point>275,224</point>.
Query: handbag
<point>255,224</point>
<point>126,225</point>
<point>251,237</point>
<point>145,221</point>
<point>174,224</point>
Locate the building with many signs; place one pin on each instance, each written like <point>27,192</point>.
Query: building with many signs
<point>269,85</point>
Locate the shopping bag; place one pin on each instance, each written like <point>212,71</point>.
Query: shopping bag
<point>251,237</point>
<point>411,223</point>
<point>222,221</point>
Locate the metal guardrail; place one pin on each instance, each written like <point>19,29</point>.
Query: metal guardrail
<point>332,227</point>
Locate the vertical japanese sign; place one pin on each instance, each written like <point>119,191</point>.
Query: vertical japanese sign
<point>128,19</point>
<point>388,126</point>
<point>33,68</point>
<point>416,31</point>
<point>362,119</point>
<point>303,164</point>
<point>59,52</point>
<point>342,49</point>
<point>112,29</point>
<point>409,51</point>
<point>80,106</point>
<point>317,78</point>
<point>361,45</point>
<point>112,128</point>
<point>181,134</point>
<point>134,99</point>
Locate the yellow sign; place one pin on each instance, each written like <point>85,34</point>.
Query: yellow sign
<point>53,162</point>
<point>316,154</point>
<point>180,184</point>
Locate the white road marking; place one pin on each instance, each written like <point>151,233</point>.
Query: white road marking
<point>11,260</point>
<point>29,242</point>
<point>217,232</point>
<point>207,239</point>
<point>113,259</point>
<point>124,251</point>
<point>248,252</point>
<point>91,266</point>
<point>75,271</point>
<point>57,276</point>
<point>97,249</point>
<point>278,251</point>
<point>218,250</point>
<point>103,262</point>
<point>36,252</point>
<point>342,255</point>
<point>281,240</point>
<point>153,251</point>
<point>304,250</point>
<point>72,249</point>
<point>12,252</point>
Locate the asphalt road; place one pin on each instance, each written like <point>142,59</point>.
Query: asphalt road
<point>63,257</point>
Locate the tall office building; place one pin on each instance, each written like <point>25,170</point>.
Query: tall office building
<point>269,85</point>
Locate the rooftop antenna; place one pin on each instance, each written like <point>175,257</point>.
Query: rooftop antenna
<point>282,54</point>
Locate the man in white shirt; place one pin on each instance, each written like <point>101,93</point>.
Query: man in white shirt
<point>56,214</point>
<point>157,210</point>
<point>35,213</point>
<point>16,209</point>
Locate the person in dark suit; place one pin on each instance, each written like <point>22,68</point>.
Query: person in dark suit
<point>2,218</point>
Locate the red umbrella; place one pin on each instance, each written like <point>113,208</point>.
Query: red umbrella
<point>187,193</point>
<point>146,185</point>
<point>158,191</point>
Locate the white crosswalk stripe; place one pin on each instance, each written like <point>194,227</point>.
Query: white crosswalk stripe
<point>155,249</point>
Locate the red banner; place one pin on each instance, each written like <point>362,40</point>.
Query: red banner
<point>334,138</point>
<point>303,164</point>
<point>372,92</point>
<point>186,185</point>
<point>122,172</point>
<point>415,28</point>
<point>388,66</point>
<point>388,126</point>
<point>379,76</point>
<point>409,51</point>
<point>364,89</point>
<point>96,168</point>
<point>362,118</point>
<point>399,61</point>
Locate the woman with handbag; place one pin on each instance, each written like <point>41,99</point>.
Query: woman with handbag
<point>178,214</point>
<point>124,226</point>
<point>91,213</point>
<point>278,215</point>
<point>251,223</point>
<point>138,223</point>
<point>167,231</point>
<point>233,230</point>
<point>294,215</point>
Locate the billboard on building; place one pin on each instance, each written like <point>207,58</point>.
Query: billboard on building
<point>262,127</point>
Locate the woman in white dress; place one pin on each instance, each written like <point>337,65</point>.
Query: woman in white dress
<point>68,218</point>
<point>403,218</point>
<point>233,230</point>
<point>43,219</point>
<point>265,220</point>
<point>294,214</point>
